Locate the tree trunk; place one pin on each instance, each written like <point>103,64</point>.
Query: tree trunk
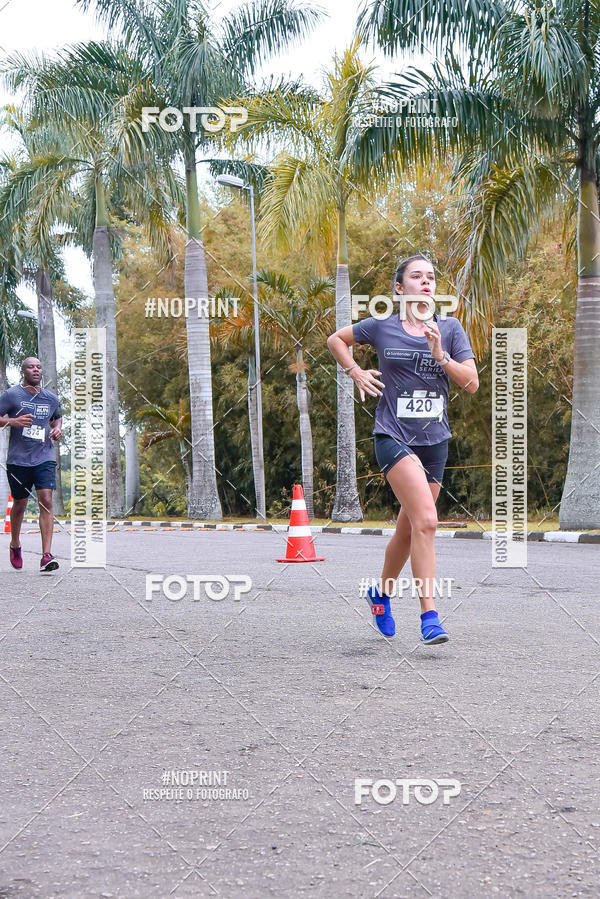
<point>105,318</point>
<point>347,502</point>
<point>253,417</point>
<point>47,353</point>
<point>203,498</point>
<point>184,450</point>
<point>306,444</point>
<point>132,471</point>
<point>580,504</point>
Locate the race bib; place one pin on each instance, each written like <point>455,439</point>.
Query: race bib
<point>420,404</point>
<point>34,432</point>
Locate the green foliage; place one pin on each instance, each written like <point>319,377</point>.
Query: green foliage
<point>415,217</point>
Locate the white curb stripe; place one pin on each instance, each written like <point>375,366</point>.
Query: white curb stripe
<point>562,536</point>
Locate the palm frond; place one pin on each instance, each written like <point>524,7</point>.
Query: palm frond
<point>411,24</point>
<point>135,20</point>
<point>299,196</point>
<point>285,114</point>
<point>260,29</point>
<point>542,63</point>
<point>349,84</point>
<point>498,220</point>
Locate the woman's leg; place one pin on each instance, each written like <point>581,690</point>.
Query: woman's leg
<point>417,497</point>
<point>396,554</point>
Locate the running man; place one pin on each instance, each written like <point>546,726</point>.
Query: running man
<point>417,356</point>
<point>33,415</point>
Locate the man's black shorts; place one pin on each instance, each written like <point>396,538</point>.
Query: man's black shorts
<point>21,478</point>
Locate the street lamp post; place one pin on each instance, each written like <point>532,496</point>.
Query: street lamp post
<point>26,313</point>
<point>259,475</point>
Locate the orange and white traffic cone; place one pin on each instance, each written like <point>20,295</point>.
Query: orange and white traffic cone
<point>7,519</point>
<point>300,545</point>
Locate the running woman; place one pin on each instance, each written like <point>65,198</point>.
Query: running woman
<point>418,356</point>
<point>33,415</point>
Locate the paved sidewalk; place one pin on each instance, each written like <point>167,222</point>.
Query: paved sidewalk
<point>292,693</point>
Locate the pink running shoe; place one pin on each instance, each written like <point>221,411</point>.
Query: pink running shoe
<point>16,559</point>
<point>48,562</point>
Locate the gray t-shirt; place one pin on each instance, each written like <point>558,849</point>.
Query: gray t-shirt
<point>30,446</point>
<point>413,405</point>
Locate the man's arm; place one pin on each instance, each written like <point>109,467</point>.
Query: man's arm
<point>56,429</point>
<point>22,421</point>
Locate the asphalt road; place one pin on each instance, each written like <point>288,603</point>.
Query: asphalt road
<point>287,695</point>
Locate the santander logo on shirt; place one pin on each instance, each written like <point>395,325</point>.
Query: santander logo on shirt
<point>425,365</point>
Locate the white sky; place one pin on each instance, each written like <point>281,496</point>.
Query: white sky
<point>45,25</point>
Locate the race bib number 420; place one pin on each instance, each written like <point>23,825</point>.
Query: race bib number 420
<point>420,404</point>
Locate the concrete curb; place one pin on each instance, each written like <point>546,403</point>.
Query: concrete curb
<point>534,536</point>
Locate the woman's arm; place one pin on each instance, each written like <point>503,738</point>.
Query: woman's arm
<point>463,373</point>
<point>339,345</point>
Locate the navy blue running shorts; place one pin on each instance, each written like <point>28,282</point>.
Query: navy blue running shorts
<point>389,450</point>
<point>21,478</point>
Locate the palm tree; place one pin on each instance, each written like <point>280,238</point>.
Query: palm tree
<point>529,133</point>
<point>242,334</point>
<point>306,196</point>
<point>83,96</point>
<point>193,61</point>
<point>39,263</point>
<point>294,317</point>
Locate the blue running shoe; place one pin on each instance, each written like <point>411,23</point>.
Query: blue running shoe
<point>380,607</point>
<point>431,628</point>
